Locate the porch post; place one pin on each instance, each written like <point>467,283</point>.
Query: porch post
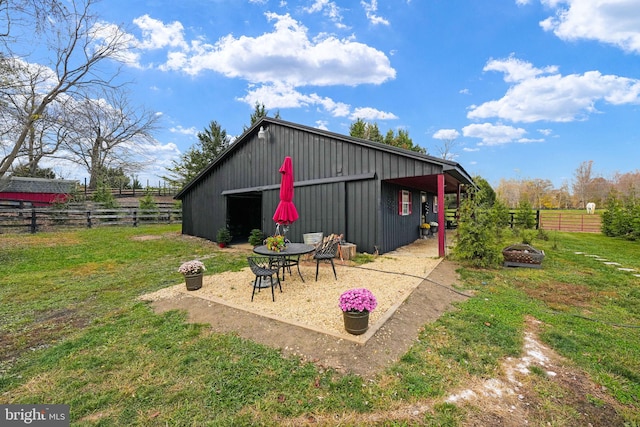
<point>441,220</point>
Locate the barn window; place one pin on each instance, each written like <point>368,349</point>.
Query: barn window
<point>404,205</point>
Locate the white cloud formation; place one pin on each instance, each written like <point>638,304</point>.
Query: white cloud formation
<point>329,9</point>
<point>545,95</point>
<point>615,22</point>
<point>157,35</point>
<point>370,10</point>
<point>368,113</point>
<point>285,96</point>
<point>192,131</point>
<point>285,55</point>
<point>446,134</point>
<point>493,134</point>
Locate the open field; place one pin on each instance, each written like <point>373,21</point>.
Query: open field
<point>73,331</point>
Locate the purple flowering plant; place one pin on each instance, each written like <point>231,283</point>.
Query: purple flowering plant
<point>358,299</point>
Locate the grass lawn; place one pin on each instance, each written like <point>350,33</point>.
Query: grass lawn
<point>73,332</point>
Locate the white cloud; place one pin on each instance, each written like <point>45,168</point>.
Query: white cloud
<point>368,113</point>
<point>280,95</point>
<point>523,2</point>
<point>470,150</point>
<point>493,134</point>
<point>157,35</point>
<point>322,124</point>
<point>446,134</point>
<point>370,10</point>
<point>545,132</point>
<point>615,22</point>
<point>285,55</point>
<point>329,9</point>
<point>545,95</point>
<point>192,131</point>
<point>516,70</point>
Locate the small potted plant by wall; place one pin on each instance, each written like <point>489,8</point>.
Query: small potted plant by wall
<point>223,237</point>
<point>356,304</point>
<point>192,271</point>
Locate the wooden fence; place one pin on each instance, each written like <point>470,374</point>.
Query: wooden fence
<point>47,219</point>
<point>570,221</point>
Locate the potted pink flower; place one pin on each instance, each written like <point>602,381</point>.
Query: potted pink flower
<point>356,304</point>
<point>192,271</point>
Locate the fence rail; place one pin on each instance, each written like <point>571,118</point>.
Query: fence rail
<point>570,221</point>
<point>45,219</point>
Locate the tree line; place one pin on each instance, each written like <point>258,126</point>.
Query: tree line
<point>585,187</point>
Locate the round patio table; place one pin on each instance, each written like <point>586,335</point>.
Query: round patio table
<point>287,257</point>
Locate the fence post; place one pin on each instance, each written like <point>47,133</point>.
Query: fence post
<point>169,215</point>
<point>135,218</point>
<point>34,222</point>
<point>88,219</point>
<point>538,219</point>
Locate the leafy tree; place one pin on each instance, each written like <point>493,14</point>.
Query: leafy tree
<point>211,142</point>
<point>26,171</point>
<point>525,216</point>
<point>500,217</point>
<point>485,195</point>
<point>364,130</point>
<point>259,112</point>
<point>621,218</point>
<point>476,241</point>
<point>370,131</point>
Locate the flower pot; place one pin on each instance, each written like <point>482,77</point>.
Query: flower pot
<point>222,244</point>
<point>193,281</point>
<point>356,322</point>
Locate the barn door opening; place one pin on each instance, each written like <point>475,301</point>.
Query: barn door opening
<point>244,213</point>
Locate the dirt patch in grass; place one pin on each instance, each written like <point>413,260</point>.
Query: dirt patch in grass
<point>559,295</point>
<point>45,331</point>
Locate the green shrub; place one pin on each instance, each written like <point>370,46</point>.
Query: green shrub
<point>525,216</point>
<point>148,207</point>
<point>621,218</point>
<point>256,237</point>
<point>104,196</point>
<point>476,242</point>
<point>223,235</point>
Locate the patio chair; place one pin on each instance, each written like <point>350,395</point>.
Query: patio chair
<point>327,252</point>
<point>264,270</point>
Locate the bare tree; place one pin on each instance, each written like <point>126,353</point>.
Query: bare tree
<point>448,138</point>
<point>107,133</point>
<point>78,46</point>
<point>20,102</point>
<point>581,180</point>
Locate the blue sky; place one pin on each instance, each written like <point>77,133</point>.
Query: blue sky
<point>528,88</point>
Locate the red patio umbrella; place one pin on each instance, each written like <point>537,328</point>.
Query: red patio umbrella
<point>286,212</point>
